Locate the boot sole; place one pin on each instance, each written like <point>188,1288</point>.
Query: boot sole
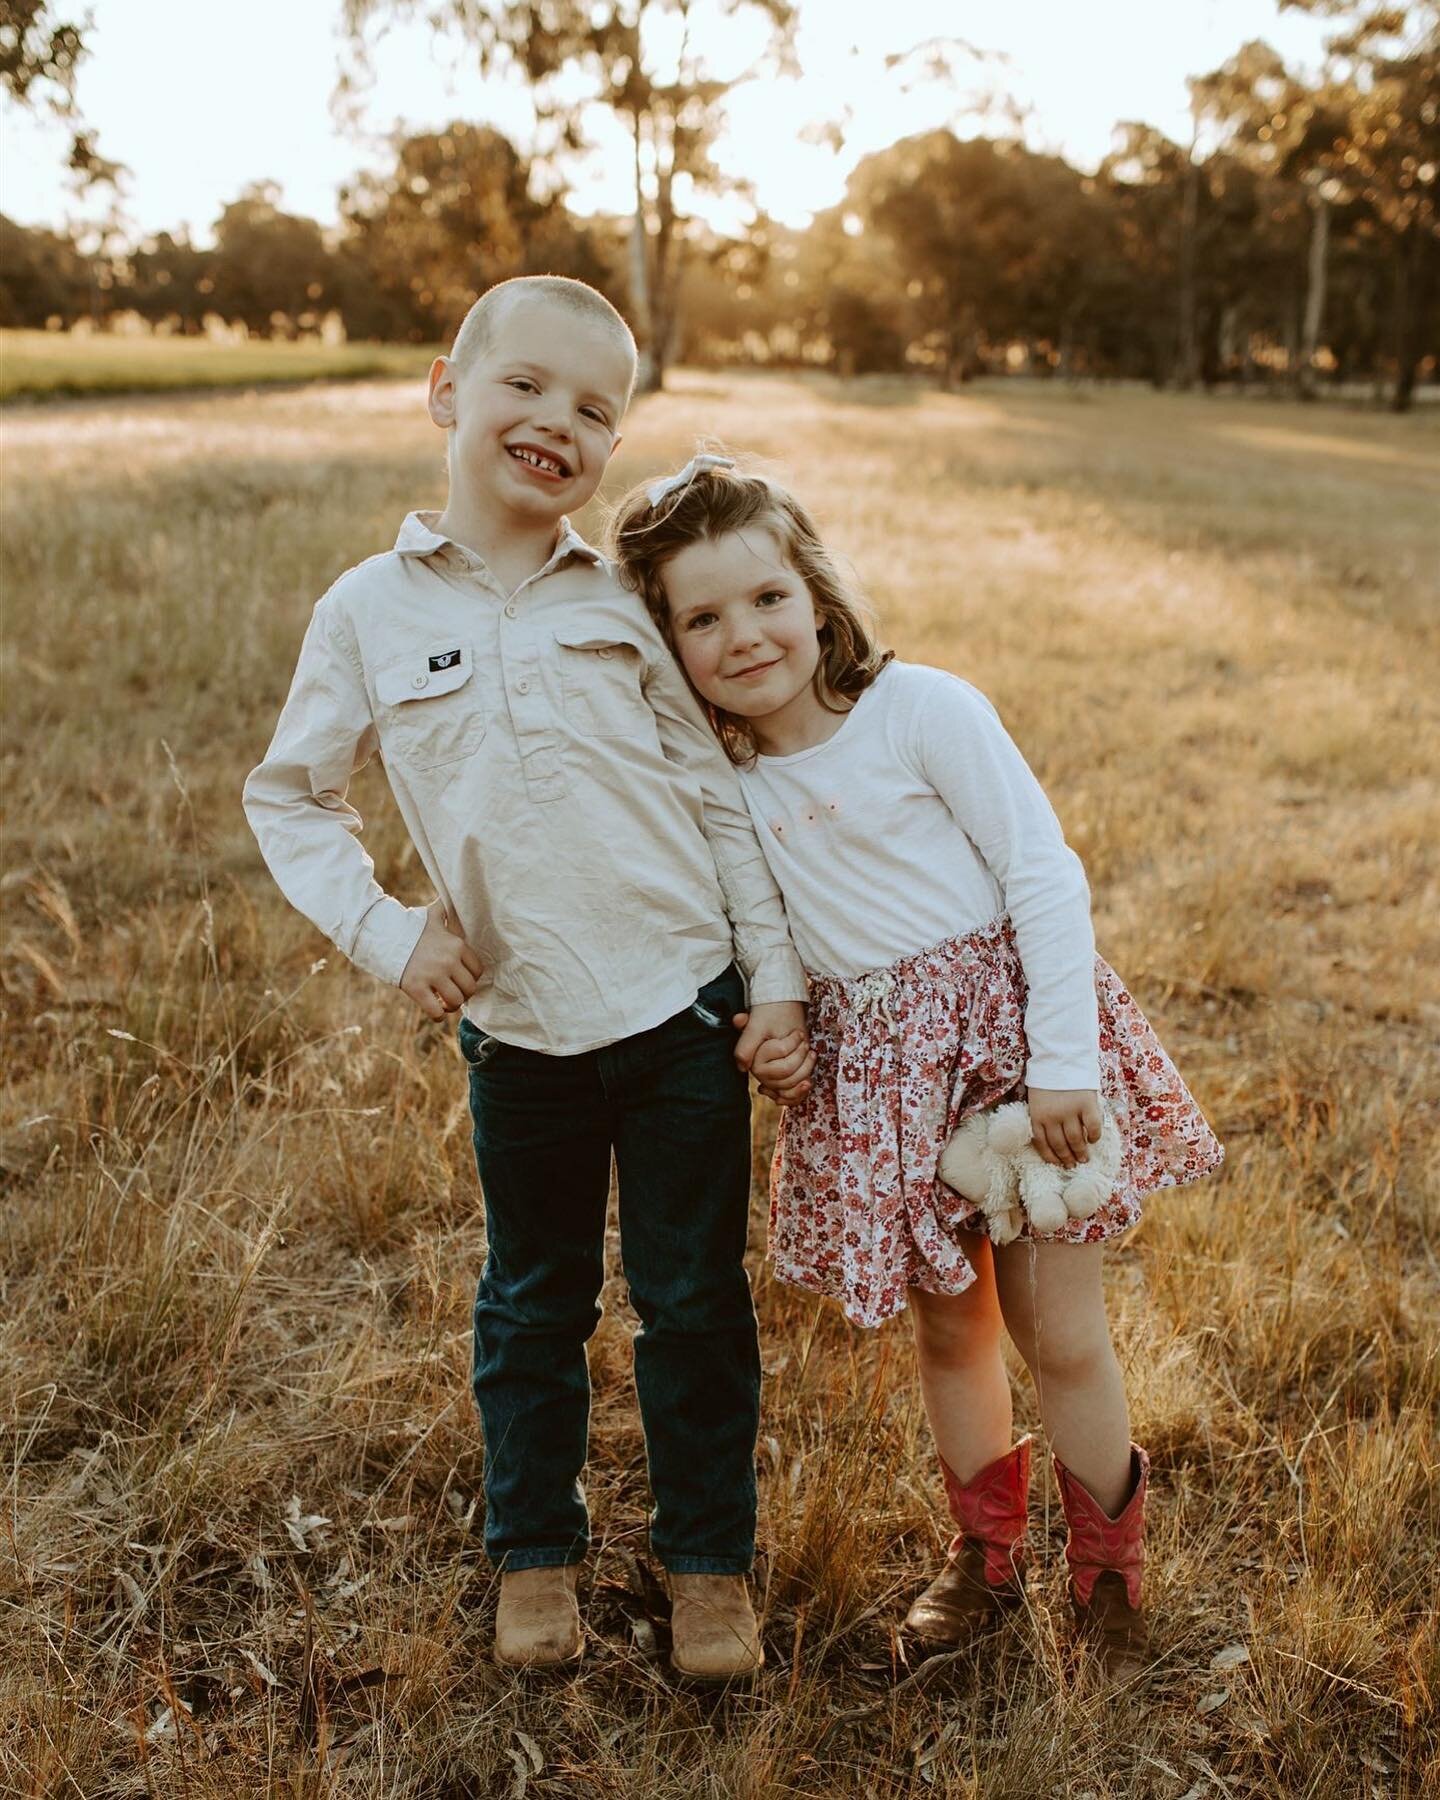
<point>694,1678</point>
<point>564,1665</point>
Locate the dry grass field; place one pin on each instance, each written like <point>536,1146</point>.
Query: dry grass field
<point>40,365</point>
<point>240,1219</point>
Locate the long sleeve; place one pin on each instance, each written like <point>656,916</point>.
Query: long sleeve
<point>963,750</point>
<point>763,950</point>
<point>307,832</point>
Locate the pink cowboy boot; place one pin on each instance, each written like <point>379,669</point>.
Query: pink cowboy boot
<point>983,1576</point>
<point>1106,1557</point>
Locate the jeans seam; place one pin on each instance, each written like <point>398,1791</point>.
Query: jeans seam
<point>513,1561</point>
<point>708,1565</point>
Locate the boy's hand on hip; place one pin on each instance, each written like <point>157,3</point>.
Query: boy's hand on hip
<point>1064,1122</point>
<point>443,970</point>
<point>777,1023</point>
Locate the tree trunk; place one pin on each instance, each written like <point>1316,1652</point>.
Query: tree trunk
<point>1189,214</point>
<point>1412,284</point>
<point>665,282</point>
<point>647,379</point>
<point>1314,294</point>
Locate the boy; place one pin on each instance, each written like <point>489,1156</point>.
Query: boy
<point>586,839</point>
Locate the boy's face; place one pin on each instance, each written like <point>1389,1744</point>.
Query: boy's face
<point>535,415</point>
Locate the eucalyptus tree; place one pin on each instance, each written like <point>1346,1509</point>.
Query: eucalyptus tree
<point>651,63</point>
<point>1384,91</point>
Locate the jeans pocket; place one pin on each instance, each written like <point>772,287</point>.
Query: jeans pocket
<point>716,1004</point>
<point>476,1046</point>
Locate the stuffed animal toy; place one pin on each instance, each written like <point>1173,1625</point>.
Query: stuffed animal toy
<point>992,1162</point>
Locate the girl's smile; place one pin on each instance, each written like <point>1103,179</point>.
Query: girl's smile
<point>746,632</point>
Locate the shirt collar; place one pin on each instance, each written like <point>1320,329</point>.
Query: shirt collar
<point>418,537</point>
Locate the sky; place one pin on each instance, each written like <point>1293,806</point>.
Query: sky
<point>199,107</point>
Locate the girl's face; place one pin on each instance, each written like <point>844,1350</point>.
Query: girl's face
<point>745,630</point>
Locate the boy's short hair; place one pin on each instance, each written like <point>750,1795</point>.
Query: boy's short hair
<point>477,325</point>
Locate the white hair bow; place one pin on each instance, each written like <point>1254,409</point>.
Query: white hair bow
<point>697,465</point>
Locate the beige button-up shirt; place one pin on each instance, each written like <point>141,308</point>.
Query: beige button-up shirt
<point>559,782</point>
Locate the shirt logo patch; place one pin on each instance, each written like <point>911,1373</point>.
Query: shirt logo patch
<point>447,659</point>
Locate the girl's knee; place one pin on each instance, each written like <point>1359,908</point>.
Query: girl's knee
<point>953,1331</point>
<point>1065,1355</point>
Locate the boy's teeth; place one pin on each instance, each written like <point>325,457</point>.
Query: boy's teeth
<point>538,462</point>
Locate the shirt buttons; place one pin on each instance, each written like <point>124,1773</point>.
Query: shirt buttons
<point>510,609</point>
<point>606,654</point>
<point>420,681</point>
<point>522,687</point>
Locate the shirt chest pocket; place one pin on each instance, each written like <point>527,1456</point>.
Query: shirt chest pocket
<point>431,712</point>
<point>601,684</point>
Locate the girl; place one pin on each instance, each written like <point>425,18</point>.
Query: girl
<point>945,925</point>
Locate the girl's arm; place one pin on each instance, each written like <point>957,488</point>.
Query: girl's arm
<point>965,753</point>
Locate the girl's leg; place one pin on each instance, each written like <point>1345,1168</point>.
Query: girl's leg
<point>1053,1305</point>
<point>962,1374</point>
<point>967,1398</point>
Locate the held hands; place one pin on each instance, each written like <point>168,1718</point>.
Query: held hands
<point>443,971</point>
<point>1064,1122</point>
<point>773,1048</point>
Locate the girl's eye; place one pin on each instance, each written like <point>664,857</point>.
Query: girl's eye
<point>773,598</point>
<point>699,621</point>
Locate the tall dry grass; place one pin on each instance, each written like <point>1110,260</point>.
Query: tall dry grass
<point>240,1221</point>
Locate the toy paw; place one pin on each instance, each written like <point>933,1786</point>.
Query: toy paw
<point>1042,1188</point>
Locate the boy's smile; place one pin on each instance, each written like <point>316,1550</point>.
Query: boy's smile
<point>533,415</point>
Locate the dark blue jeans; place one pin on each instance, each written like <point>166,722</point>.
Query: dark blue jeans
<point>674,1110</point>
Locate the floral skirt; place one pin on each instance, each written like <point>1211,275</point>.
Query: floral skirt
<point>902,1056</point>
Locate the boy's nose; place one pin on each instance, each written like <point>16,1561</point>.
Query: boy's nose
<point>555,422</point>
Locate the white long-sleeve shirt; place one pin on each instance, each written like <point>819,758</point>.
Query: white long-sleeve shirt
<point>567,799</point>
<point>919,820</point>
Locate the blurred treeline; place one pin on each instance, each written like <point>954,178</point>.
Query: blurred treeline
<point>1299,247</point>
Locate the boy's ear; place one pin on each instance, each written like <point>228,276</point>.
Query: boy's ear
<point>441,400</point>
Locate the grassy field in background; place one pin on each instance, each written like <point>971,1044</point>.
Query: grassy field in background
<point>240,1228</point>
<point>50,364</point>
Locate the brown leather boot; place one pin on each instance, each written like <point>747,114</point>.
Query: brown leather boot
<point>538,1623</point>
<point>1106,1558</point>
<point>713,1632</point>
<point>984,1575</point>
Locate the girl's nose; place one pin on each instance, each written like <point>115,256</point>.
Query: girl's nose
<point>743,636</point>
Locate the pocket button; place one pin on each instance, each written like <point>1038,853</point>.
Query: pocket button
<point>420,681</point>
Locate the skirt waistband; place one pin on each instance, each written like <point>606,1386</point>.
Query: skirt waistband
<point>941,962</point>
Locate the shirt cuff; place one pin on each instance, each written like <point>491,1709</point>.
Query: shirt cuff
<point>386,939</point>
<point>1053,1072</point>
<point>777,975</point>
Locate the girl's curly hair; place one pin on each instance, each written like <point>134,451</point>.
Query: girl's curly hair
<point>644,537</point>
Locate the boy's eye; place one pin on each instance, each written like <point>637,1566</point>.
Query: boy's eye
<point>524,383</point>
<point>594,412</point>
